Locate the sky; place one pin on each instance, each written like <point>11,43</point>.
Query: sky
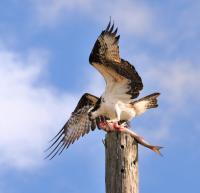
<point>44,70</point>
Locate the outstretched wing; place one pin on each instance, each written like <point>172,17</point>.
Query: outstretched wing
<point>122,80</point>
<point>106,47</point>
<point>77,125</point>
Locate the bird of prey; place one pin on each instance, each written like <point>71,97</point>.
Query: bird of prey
<point>117,106</point>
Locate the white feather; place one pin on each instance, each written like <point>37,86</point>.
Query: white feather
<point>115,102</point>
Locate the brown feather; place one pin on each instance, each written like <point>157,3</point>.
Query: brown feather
<point>106,59</point>
<point>77,125</point>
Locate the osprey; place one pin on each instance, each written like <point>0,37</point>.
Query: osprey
<point>117,105</point>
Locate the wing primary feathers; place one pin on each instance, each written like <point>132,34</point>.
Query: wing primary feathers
<point>57,151</point>
<point>77,125</point>
<point>111,29</point>
<point>107,28</point>
<point>68,145</point>
<point>54,141</point>
<point>62,130</point>
<point>62,148</point>
<point>54,149</point>
<point>89,126</point>
<point>67,140</point>
<point>86,125</point>
<point>106,47</point>
<point>115,32</point>
<point>73,138</point>
<point>70,139</point>
<point>116,39</point>
<point>76,136</point>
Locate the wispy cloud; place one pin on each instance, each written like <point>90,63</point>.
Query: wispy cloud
<point>30,113</point>
<point>51,11</point>
<point>137,18</point>
<point>178,82</point>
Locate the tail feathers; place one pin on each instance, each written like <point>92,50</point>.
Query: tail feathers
<point>156,149</point>
<point>147,102</point>
<point>152,100</point>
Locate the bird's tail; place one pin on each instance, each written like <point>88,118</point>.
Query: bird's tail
<point>156,149</point>
<point>151,99</point>
<point>147,102</point>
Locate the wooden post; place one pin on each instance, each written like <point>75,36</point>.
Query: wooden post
<point>121,163</point>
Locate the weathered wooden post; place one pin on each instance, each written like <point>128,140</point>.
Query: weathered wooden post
<point>121,163</point>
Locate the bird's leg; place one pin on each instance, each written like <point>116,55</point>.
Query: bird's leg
<point>116,124</point>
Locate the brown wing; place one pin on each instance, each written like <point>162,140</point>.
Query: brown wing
<point>122,79</point>
<point>77,125</point>
<point>106,47</point>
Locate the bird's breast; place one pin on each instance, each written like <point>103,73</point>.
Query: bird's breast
<point>108,109</point>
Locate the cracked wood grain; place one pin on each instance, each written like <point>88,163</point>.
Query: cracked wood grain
<point>121,163</point>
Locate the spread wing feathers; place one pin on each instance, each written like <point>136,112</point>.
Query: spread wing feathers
<point>77,125</point>
<point>122,80</point>
<point>106,47</point>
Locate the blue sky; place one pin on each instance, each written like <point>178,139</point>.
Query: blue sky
<point>44,69</point>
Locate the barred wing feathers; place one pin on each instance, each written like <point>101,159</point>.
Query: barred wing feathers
<point>122,79</point>
<point>106,47</point>
<point>78,125</point>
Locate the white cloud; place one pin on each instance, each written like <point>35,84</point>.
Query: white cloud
<point>179,81</point>
<point>136,18</point>
<point>133,17</point>
<point>176,79</point>
<point>30,114</point>
<point>50,11</point>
